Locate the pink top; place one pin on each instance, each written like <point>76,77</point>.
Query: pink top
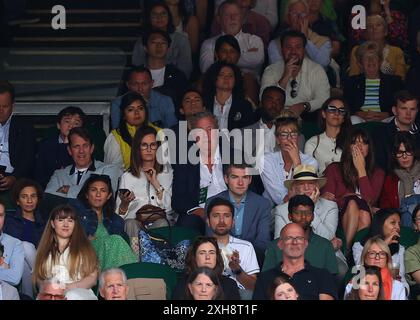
<point>370,188</point>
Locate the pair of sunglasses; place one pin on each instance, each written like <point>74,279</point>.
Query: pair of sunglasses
<point>334,109</point>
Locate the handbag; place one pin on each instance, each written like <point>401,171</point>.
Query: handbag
<point>149,213</point>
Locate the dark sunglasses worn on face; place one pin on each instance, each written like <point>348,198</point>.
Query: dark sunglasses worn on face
<point>334,109</point>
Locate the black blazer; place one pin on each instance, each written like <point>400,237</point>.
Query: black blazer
<point>354,91</point>
<point>241,113</point>
<point>22,146</point>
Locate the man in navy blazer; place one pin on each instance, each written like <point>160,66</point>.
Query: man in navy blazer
<point>252,211</point>
<point>17,142</point>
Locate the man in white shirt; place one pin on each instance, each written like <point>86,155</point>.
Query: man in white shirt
<point>238,255</point>
<point>196,180</point>
<point>252,48</point>
<point>304,81</point>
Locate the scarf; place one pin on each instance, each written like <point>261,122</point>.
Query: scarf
<point>407,179</point>
<point>124,146</point>
<point>387,281</point>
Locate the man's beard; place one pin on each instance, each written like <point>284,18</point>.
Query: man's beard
<point>221,233</point>
<point>266,116</point>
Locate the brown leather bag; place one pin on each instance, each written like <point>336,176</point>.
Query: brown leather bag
<point>150,213</point>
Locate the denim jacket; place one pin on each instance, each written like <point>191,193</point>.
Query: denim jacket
<point>89,220</point>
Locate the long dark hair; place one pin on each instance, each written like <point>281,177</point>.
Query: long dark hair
<point>190,260</point>
<point>148,21</point>
<point>210,78</point>
<point>211,273</point>
<point>345,126</point>
<point>109,207</point>
<point>376,227</point>
<point>136,162</point>
<point>348,171</point>
<point>128,99</point>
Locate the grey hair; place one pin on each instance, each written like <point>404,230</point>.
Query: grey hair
<point>292,2</point>
<point>201,115</point>
<point>111,271</point>
<point>382,19</point>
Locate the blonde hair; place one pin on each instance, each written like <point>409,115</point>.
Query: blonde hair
<point>384,247</point>
<point>380,18</point>
<point>368,47</point>
<point>82,256</point>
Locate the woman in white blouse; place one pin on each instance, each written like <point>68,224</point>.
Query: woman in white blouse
<point>335,122</point>
<point>64,254</point>
<point>146,182</point>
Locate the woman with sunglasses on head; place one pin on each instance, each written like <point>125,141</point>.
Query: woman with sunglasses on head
<point>146,182</point>
<point>402,185</point>
<point>377,253</point>
<point>64,253</point>
<point>95,206</point>
<point>335,122</point>
<point>279,165</point>
<point>355,183</point>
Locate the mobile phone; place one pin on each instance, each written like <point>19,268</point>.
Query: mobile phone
<point>2,170</point>
<point>123,191</point>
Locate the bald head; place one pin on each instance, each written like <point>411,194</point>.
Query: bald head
<point>292,242</point>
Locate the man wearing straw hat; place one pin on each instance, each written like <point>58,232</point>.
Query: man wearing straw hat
<point>306,181</point>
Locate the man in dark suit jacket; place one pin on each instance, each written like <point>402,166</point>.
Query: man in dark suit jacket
<point>18,151</point>
<point>252,211</point>
<point>405,111</point>
<point>198,173</point>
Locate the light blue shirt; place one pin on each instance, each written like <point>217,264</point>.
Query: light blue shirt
<point>161,109</point>
<point>13,256</point>
<point>4,146</point>
<point>239,214</point>
<point>273,175</point>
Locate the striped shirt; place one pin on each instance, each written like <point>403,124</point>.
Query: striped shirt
<point>372,95</point>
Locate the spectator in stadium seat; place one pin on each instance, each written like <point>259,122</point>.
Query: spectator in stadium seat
<point>224,96</point>
<point>370,94</point>
<point>159,16</point>
<point>161,108</point>
<point>405,110</point>
<point>204,284</point>
<point>135,114</point>
<point>252,47</point>
<point>312,283</point>
<point>205,252</point>
<point>52,151</point>
<point>393,62</point>
<point>17,144</point>
<point>12,255</point>
<point>113,284</point>
<point>67,182</point>
<point>26,224</point>
<point>239,257</point>
<point>304,81</point>
<point>167,78</point>
<point>355,183</point>
<point>65,254</point>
